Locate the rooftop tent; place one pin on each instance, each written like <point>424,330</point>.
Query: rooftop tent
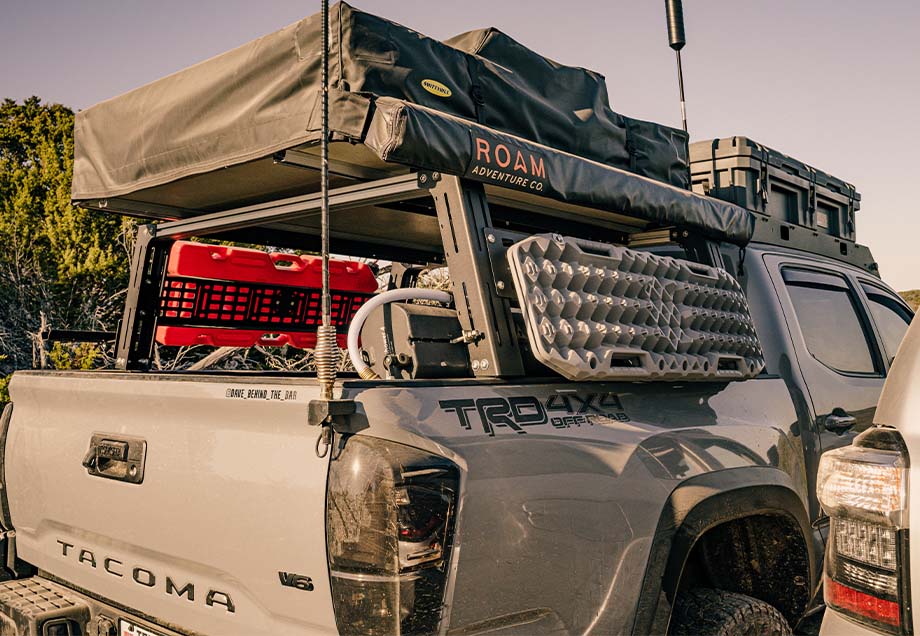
<point>481,105</point>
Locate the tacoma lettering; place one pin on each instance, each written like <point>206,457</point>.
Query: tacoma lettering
<point>172,588</point>
<point>107,566</point>
<point>219,598</point>
<point>146,578</point>
<point>87,557</point>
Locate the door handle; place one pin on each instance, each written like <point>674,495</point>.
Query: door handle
<point>839,421</point>
<point>116,457</point>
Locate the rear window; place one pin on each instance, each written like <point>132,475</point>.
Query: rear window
<point>827,314</point>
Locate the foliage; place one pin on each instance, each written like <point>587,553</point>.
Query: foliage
<point>912,297</point>
<point>60,266</point>
<point>82,355</point>
<point>4,386</point>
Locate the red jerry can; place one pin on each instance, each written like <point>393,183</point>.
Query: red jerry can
<point>236,297</point>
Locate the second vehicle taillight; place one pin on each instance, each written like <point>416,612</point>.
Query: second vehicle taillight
<point>863,488</point>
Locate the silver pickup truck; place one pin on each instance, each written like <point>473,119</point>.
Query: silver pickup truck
<point>532,505</point>
<point>611,423</point>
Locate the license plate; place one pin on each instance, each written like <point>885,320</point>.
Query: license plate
<point>127,628</point>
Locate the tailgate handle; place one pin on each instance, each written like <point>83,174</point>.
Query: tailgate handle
<point>118,457</point>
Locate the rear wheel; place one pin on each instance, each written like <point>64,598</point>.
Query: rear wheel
<point>707,612</point>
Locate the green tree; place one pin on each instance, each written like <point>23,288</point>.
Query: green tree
<point>60,265</point>
<point>912,297</point>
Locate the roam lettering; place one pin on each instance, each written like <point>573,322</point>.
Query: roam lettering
<point>509,166</point>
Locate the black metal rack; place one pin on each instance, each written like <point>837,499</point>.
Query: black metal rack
<point>423,217</point>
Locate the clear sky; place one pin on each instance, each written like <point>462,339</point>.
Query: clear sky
<point>835,83</point>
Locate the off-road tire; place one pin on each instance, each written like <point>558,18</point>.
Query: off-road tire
<point>707,612</point>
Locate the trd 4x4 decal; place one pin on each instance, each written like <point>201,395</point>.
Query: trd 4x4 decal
<point>518,412</point>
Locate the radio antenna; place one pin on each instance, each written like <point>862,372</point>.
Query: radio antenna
<point>326,354</point>
<point>677,39</point>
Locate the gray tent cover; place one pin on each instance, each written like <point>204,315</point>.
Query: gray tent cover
<point>480,105</point>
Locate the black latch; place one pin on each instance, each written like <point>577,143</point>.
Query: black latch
<point>116,457</point>
<point>339,414</point>
<point>812,195</point>
<point>764,179</point>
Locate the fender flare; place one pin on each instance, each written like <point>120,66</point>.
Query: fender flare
<point>694,507</point>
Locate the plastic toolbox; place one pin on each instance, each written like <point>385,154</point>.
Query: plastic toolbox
<point>746,173</point>
<point>234,297</point>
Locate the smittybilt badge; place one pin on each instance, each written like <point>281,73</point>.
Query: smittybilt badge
<point>436,88</point>
<point>144,577</point>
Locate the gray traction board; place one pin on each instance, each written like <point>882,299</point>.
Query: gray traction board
<point>603,312</point>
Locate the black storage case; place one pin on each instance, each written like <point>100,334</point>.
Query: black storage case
<point>741,171</point>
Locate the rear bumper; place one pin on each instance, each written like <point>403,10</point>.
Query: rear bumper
<point>835,624</point>
<point>38,607</point>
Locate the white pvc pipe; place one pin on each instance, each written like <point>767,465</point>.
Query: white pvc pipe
<point>394,295</point>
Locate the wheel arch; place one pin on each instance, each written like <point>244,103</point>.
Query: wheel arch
<point>700,505</point>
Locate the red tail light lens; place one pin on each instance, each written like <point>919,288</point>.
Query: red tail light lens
<point>862,604</point>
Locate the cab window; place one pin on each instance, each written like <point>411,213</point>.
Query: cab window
<point>828,315</point>
<point>891,318</point>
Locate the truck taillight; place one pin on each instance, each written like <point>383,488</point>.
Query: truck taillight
<point>390,513</point>
<point>863,488</point>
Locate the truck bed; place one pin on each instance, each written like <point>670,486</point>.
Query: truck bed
<point>234,493</point>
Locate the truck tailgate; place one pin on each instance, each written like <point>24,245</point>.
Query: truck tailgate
<point>175,546</point>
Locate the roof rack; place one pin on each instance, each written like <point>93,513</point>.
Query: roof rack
<point>772,232</point>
